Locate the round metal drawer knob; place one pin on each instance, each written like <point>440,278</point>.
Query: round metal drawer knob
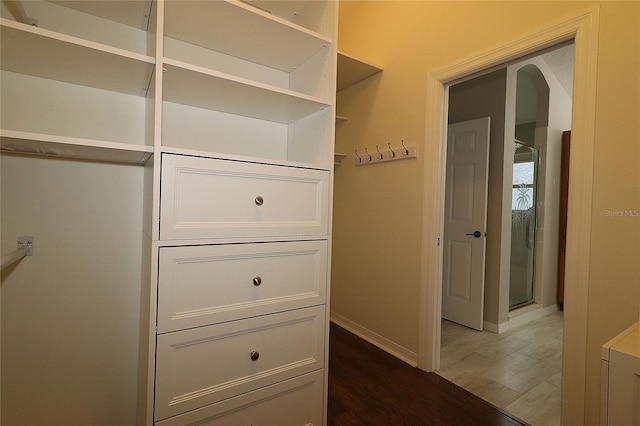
<point>254,355</point>
<point>259,200</point>
<point>257,281</point>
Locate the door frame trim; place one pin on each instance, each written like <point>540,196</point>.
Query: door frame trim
<point>583,29</point>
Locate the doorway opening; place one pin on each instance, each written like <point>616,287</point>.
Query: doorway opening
<point>529,105</point>
<point>584,30</point>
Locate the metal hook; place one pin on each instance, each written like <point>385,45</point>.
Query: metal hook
<point>393,153</point>
<point>406,151</point>
<point>359,158</point>
<point>380,155</point>
<point>369,158</point>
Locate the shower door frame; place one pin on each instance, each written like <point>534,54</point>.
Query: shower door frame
<point>534,205</point>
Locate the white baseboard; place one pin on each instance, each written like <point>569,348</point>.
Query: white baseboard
<point>520,317</point>
<point>375,339</point>
<point>495,328</point>
<point>529,313</point>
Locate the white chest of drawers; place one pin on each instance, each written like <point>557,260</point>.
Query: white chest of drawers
<point>247,314</point>
<point>238,317</point>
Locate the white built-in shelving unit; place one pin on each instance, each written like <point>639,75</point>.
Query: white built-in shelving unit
<point>351,71</point>
<point>88,78</point>
<point>273,76</point>
<point>221,116</point>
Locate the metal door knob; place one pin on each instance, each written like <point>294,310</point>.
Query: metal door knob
<point>257,281</point>
<point>476,234</point>
<point>255,355</point>
<point>259,200</point>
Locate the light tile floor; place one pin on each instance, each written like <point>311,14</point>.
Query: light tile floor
<point>519,370</point>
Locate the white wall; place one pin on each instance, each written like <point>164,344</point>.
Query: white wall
<point>71,312</point>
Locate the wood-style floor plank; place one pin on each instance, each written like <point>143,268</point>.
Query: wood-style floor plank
<point>367,386</point>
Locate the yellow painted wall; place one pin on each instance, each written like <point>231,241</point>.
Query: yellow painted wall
<point>378,208</point>
<point>615,249</point>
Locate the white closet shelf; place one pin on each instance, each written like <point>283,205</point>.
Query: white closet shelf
<point>134,13</point>
<point>292,11</point>
<point>204,88</point>
<point>237,29</point>
<point>352,71</point>
<point>17,142</point>
<point>55,56</point>
<point>242,158</point>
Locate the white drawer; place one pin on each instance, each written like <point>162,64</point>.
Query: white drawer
<point>294,402</point>
<point>202,285</point>
<point>210,198</point>
<point>205,365</point>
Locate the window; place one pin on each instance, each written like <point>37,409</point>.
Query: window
<point>522,192</point>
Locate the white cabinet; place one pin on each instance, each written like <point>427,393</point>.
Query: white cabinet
<point>621,379</point>
<point>230,107</point>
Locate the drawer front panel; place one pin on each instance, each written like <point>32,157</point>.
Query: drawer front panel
<point>205,365</point>
<point>210,198</point>
<point>294,402</point>
<point>205,285</point>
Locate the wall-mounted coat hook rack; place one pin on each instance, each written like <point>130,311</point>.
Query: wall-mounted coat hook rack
<point>392,153</point>
<point>380,155</point>
<point>368,158</point>
<point>358,158</point>
<point>405,151</point>
<point>387,155</point>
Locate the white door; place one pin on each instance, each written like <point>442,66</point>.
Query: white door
<point>465,222</point>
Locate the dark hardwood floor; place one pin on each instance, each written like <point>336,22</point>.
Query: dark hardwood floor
<point>367,386</point>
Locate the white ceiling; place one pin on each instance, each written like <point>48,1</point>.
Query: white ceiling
<point>561,63</point>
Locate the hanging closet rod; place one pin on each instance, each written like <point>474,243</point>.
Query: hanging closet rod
<point>25,248</point>
<point>16,8</point>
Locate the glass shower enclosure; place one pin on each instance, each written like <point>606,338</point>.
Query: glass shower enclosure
<point>523,225</point>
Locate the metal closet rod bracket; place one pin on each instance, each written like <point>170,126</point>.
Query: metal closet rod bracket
<point>17,10</point>
<point>25,248</point>
<point>25,242</point>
